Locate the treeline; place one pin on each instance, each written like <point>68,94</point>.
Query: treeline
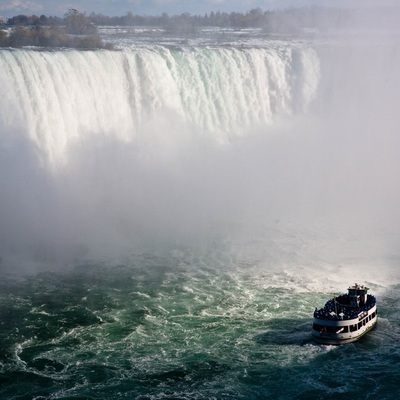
<point>48,37</point>
<point>75,30</point>
<point>292,20</point>
<point>274,21</point>
<point>253,18</point>
<point>80,30</point>
<point>271,21</point>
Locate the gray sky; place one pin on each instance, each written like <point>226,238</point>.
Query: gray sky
<point>10,8</point>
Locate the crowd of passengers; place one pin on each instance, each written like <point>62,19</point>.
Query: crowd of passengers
<point>342,308</point>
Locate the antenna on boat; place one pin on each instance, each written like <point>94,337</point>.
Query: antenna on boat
<point>334,301</point>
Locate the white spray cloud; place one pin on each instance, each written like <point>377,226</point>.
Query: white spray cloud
<point>132,161</point>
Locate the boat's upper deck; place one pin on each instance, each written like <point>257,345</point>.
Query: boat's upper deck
<point>347,306</point>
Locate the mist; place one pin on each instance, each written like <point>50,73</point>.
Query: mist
<point>322,163</point>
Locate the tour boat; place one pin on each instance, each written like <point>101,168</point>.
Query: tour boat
<point>345,318</point>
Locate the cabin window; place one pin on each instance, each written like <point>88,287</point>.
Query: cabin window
<point>373,314</point>
<point>330,329</point>
<point>317,327</point>
<point>353,328</point>
<point>337,329</point>
<point>359,325</point>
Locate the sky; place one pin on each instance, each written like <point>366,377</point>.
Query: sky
<point>9,8</point>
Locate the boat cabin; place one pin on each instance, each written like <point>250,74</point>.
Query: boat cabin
<point>357,295</point>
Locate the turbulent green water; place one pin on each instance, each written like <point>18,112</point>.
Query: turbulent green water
<point>183,327</point>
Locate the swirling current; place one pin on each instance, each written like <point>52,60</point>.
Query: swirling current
<point>183,327</point>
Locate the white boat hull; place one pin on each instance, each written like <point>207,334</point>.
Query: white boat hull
<point>344,331</point>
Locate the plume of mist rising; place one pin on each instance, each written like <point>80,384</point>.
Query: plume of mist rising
<point>334,164</point>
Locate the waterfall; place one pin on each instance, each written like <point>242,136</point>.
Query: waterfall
<point>57,98</point>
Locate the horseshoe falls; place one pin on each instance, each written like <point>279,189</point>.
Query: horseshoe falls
<point>171,214</point>
<point>72,96</point>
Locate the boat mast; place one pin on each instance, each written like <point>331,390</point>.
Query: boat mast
<point>334,301</point>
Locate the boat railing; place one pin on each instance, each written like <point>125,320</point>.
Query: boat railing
<point>339,310</point>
